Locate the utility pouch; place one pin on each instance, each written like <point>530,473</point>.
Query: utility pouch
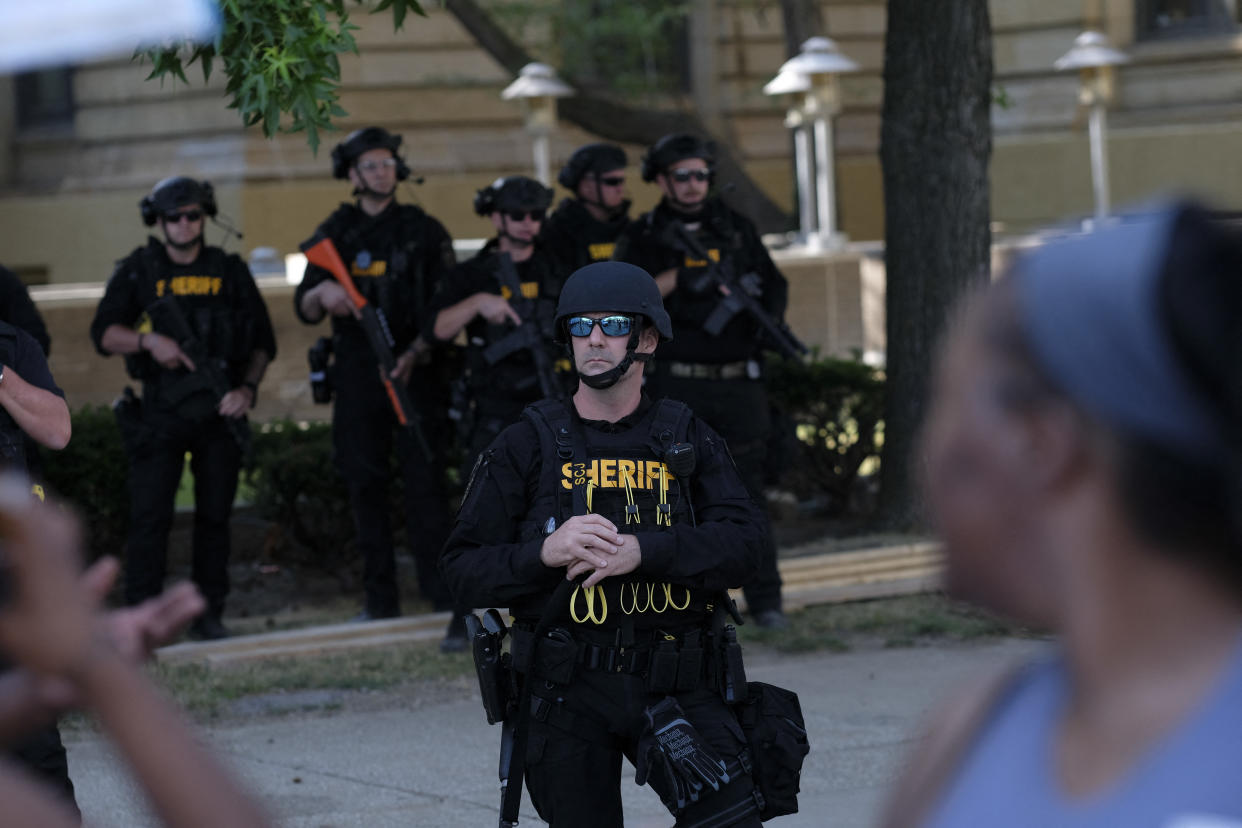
<point>733,672</point>
<point>491,667</point>
<point>556,657</point>
<point>771,719</point>
<point>690,667</point>
<point>662,673</point>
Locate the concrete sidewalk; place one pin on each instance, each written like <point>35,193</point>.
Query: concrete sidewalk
<point>432,762</point>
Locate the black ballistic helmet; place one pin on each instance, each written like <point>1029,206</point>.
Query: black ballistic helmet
<point>612,287</point>
<point>363,140</point>
<point>677,147</point>
<point>175,192</point>
<point>514,192</point>
<point>592,158</point>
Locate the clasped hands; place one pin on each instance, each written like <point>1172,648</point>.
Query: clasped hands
<point>591,543</point>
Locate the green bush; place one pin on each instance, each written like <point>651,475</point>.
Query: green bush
<point>296,486</point>
<point>836,407</point>
<point>92,473</point>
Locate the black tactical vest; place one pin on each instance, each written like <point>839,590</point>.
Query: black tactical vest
<point>624,477</point>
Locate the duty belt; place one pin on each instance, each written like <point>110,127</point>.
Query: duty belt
<point>653,650</point>
<point>746,369</point>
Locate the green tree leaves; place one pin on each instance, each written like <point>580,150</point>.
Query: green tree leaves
<point>281,59</point>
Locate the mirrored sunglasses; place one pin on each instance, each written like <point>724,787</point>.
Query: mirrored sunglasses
<point>682,176</point>
<point>611,325</point>
<point>172,217</point>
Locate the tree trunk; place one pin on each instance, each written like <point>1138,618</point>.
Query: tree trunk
<point>803,19</point>
<point>596,111</point>
<point>935,143</point>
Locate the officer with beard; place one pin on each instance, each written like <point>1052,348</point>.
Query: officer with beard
<point>585,228</point>
<point>719,375</point>
<point>181,410</point>
<point>396,254</point>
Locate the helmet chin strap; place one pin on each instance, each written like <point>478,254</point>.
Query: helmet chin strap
<point>513,240</point>
<point>613,375</point>
<point>611,212</point>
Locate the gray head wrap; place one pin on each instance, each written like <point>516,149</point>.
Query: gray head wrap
<point>1091,309</point>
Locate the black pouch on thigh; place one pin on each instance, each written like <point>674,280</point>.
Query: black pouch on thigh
<point>777,742</point>
<point>556,657</point>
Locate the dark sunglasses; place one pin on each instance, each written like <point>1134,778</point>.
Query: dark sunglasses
<point>188,215</point>
<point>520,215</point>
<point>611,325</point>
<point>613,182</point>
<point>682,176</point>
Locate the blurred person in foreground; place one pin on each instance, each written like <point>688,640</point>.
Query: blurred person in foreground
<point>1081,463</point>
<point>73,655</point>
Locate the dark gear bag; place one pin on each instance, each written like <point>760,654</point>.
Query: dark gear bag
<point>776,739</point>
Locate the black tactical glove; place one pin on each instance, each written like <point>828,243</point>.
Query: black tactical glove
<point>674,750</point>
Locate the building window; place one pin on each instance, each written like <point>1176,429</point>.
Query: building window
<point>45,98</point>
<point>1158,19</point>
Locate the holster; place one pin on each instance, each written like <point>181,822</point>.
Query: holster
<point>135,433</point>
<point>492,666</point>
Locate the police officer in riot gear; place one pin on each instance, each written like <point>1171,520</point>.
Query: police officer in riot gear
<point>585,228</point>
<point>609,525</point>
<point>718,374</point>
<point>491,307</point>
<point>396,254</point>
<point>165,301</point>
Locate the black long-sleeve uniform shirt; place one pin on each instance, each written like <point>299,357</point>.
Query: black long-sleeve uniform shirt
<point>576,238</point>
<point>492,557</point>
<point>18,309</point>
<point>396,259</point>
<point>731,238</point>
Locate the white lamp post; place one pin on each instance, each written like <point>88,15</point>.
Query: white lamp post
<point>793,84</point>
<point>538,87</point>
<point>1094,59</point>
<point>821,61</point>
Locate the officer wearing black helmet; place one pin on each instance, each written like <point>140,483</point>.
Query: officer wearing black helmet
<point>181,410</point>
<point>719,375</point>
<point>476,298</point>
<point>609,525</point>
<point>396,254</point>
<point>585,228</point>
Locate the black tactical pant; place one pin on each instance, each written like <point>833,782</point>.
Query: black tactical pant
<point>573,764</point>
<point>365,435</point>
<point>738,410</point>
<point>155,465</point>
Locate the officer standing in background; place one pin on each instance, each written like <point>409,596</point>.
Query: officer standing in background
<point>396,254</point>
<point>719,375</point>
<point>585,228</point>
<point>492,307</point>
<point>610,525</point>
<point>193,328</point>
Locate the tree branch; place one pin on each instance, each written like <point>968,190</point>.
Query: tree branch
<point>597,112</point>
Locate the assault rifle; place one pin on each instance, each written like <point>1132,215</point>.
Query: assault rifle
<point>168,311</point>
<point>741,297</point>
<point>526,337</point>
<point>322,253</point>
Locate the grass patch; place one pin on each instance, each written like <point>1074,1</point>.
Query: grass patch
<point>897,622</point>
<point>204,690</point>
